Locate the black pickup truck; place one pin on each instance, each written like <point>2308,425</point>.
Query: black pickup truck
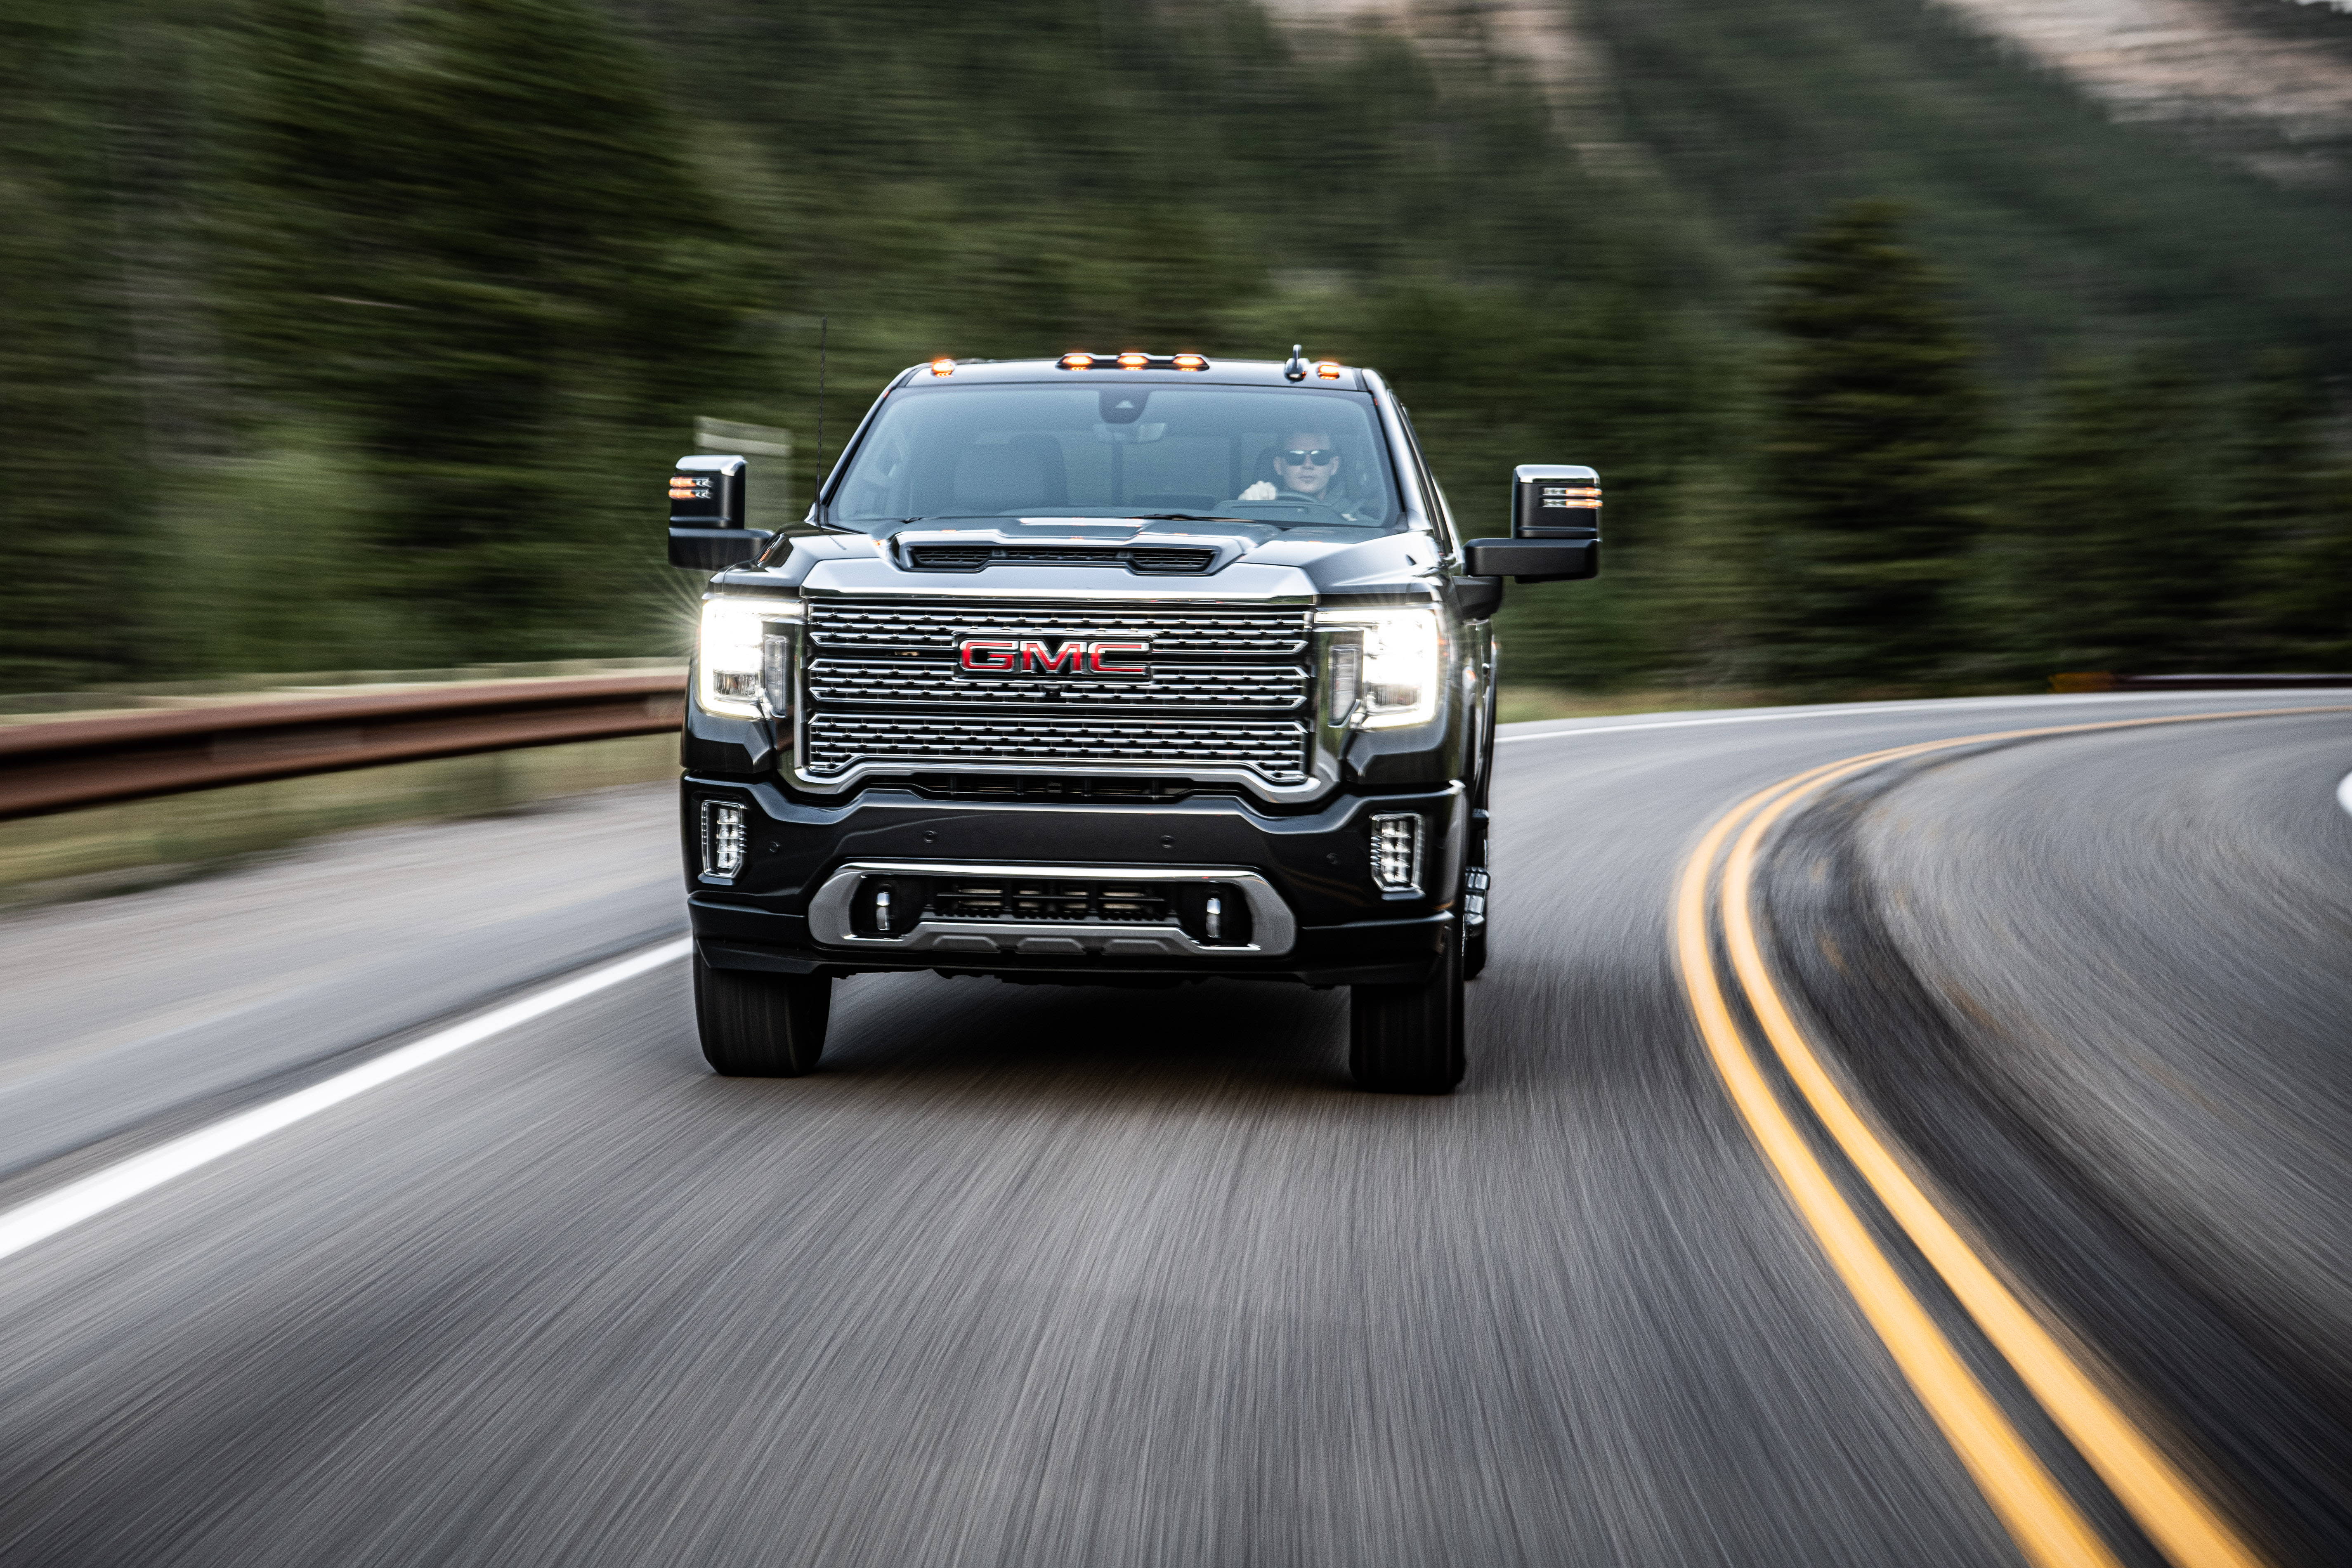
<point>1113,670</point>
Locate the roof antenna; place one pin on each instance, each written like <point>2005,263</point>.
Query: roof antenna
<point>1296,369</point>
<point>823,324</point>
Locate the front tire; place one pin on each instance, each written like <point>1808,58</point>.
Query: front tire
<point>760,1026</point>
<point>1407,1039</point>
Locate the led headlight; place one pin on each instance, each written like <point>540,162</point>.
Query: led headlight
<point>1392,658</point>
<point>734,653</point>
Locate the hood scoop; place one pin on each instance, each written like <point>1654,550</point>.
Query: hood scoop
<point>1152,558</point>
<point>1148,554</point>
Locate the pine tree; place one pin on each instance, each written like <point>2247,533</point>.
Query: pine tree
<point>2289,525</point>
<point>469,236</point>
<point>69,461</point>
<point>2113,555</point>
<point>1874,420</point>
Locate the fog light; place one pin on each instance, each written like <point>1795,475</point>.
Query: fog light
<point>722,839</point>
<point>1396,852</point>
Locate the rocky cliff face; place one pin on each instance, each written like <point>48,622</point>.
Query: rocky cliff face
<point>2278,98</point>
<point>2267,83</point>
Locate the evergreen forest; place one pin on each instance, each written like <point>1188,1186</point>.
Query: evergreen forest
<point>360,336</point>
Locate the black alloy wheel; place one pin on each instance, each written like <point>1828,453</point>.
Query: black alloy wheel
<point>1407,1039</point>
<point>760,1026</point>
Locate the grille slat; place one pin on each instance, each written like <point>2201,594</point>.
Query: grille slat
<point>837,741</point>
<point>929,683</point>
<point>883,686</point>
<point>1055,899</point>
<point>1222,634</point>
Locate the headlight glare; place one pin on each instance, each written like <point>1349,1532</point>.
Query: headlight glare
<point>731,653</point>
<point>1399,667</point>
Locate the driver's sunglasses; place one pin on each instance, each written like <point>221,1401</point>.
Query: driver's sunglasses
<point>1297,458</point>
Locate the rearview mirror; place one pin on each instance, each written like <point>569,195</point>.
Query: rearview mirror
<point>1555,528</point>
<point>706,515</point>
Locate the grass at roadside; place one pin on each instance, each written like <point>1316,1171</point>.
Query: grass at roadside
<point>1515,704</point>
<point>142,844</point>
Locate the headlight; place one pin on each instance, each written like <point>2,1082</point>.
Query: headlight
<point>1392,659</point>
<point>732,653</point>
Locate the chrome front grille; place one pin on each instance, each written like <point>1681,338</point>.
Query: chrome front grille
<point>1224,686</point>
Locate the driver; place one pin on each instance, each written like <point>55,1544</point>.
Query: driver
<point>1305,466</point>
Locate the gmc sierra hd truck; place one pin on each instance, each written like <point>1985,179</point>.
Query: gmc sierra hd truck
<point>1120,670</point>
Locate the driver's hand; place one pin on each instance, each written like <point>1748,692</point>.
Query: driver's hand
<point>1261,490</point>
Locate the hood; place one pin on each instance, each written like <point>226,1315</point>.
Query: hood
<point>1061,557</point>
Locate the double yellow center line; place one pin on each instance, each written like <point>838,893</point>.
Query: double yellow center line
<point>2045,1521</point>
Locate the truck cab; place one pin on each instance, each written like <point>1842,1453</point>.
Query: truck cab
<point>1122,670</point>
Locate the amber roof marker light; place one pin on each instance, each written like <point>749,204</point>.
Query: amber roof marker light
<point>1327,369</point>
<point>943,367</point>
<point>1133,359</point>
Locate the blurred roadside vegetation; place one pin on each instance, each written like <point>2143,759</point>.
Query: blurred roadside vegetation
<point>360,335</point>
<point>104,850</point>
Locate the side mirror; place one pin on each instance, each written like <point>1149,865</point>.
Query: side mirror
<point>1555,528</point>
<point>706,515</point>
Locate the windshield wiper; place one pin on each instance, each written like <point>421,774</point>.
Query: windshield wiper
<point>1186,517</point>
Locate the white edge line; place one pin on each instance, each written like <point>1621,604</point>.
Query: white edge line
<point>2343,793</point>
<point>1847,711</point>
<point>44,1217</point>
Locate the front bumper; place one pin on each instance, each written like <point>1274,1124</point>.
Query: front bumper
<point>1346,931</point>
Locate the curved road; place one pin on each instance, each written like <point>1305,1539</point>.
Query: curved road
<point>1064,1276</point>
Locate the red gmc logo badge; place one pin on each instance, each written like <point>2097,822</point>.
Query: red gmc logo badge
<point>1026,655</point>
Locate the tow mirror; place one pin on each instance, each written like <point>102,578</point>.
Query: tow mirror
<point>1555,528</point>
<point>706,515</point>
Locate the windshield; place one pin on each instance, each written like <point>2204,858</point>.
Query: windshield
<point>1288,458</point>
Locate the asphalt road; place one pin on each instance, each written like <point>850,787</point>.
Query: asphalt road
<point>1032,1274</point>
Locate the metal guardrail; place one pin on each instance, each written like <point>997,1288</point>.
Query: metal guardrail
<point>60,764</point>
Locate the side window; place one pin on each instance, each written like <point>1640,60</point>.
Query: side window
<point>1443,514</point>
<point>881,482</point>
